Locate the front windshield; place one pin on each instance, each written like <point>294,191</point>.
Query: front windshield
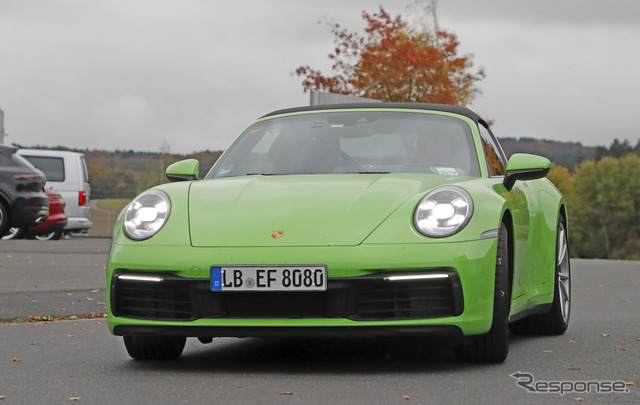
<point>353,142</point>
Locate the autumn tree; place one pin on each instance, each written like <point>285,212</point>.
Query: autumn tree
<point>562,179</point>
<point>396,62</point>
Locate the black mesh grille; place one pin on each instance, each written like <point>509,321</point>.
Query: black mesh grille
<point>169,299</point>
<point>357,298</point>
<point>406,299</point>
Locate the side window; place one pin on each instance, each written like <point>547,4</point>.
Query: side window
<point>493,153</point>
<point>53,167</point>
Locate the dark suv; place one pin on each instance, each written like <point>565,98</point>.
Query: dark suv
<point>23,201</point>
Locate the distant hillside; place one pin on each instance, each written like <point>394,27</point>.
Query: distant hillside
<point>125,173</point>
<point>567,154</point>
<point>140,162</point>
<point>147,162</point>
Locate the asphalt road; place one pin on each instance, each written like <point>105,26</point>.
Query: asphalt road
<point>52,278</point>
<point>79,360</point>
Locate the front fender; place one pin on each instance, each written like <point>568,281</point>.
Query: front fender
<point>175,231</point>
<point>536,261</point>
<point>489,208</point>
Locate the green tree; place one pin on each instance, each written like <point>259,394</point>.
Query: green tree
<point>616,149</point>
<point>606,213</point>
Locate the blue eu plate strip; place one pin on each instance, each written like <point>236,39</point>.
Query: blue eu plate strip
<point>216,278</point>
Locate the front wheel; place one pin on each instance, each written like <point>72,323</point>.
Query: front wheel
<point>154,348</point>
<point>493,347</point>
<point>556,321</point>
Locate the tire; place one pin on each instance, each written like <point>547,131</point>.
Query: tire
<point>556,321</point>
<point>152,348</point>
<point>54,235</point>
<point>493,347</point>
<point>4,219</point>
<point>14,233</point>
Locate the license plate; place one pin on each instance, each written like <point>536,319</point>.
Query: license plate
<point>269,278</point>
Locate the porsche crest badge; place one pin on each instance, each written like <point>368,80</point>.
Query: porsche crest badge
<point>277,234</point>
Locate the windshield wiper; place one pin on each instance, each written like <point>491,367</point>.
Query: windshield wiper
<point>373,172</point>
<point>290,174</point>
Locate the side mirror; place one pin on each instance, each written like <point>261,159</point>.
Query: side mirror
<point>183,170</point>
<point>523,166</point>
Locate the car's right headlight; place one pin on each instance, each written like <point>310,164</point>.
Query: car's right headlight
<point>443,212</point>
<point>146,214</point>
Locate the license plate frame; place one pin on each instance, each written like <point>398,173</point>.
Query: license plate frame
<point>298,278</point>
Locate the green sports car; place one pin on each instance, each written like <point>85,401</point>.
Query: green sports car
<point>380,219</point>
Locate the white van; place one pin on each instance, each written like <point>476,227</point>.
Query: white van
<point>67,174</point>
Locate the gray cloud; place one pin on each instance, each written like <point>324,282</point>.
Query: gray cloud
<point>130,75</point>
<point>544,12</point>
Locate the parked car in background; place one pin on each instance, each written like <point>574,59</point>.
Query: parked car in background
<point>67,174</point>
<point>51,229</point>
<point>23,201</point>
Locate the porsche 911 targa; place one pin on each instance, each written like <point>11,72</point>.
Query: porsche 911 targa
<point>370,220</point>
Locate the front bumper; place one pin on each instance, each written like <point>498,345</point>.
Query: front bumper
<point>357,301</point>
<point>364,298</point>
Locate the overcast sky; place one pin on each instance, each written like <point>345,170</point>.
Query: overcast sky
<point>132,74</point>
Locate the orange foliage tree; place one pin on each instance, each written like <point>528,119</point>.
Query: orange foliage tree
<point>397,63</point>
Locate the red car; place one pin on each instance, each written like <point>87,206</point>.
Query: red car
<point>51,229</point>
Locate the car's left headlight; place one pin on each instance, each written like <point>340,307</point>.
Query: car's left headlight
<point>146,214</point>
<point>443,212</point>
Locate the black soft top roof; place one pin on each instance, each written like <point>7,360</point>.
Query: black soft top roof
<point>455,109</point>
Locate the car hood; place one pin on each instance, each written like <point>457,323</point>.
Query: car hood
<point>298,210</point>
